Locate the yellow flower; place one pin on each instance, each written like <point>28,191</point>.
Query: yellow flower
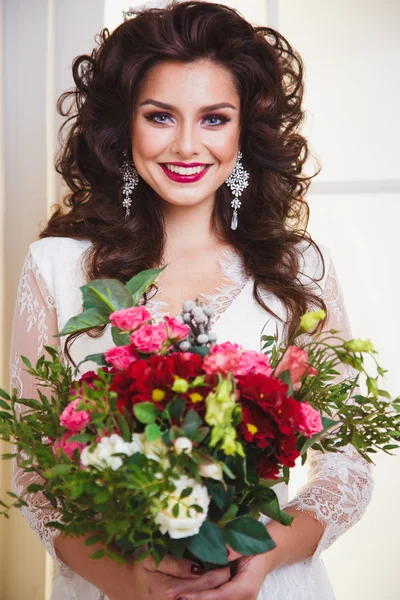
<point>359,345</point>
<point>310,319</point>
<point>196,397</point>
<point>157,395</point>
<point>228,436</point>
<point>180,385</point>
<point>252,428</point>
<point>220,404</point>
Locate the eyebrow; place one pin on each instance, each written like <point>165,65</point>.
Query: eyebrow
<point>203,109</point>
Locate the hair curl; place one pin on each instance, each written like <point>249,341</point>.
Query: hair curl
<point>274,214</point>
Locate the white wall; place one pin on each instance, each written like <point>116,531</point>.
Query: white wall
<point>351,52</point>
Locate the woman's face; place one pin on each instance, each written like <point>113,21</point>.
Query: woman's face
<point>185,130</point>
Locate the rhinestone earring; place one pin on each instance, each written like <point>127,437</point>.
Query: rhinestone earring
<point>130,180</point>
<point>238,180</point>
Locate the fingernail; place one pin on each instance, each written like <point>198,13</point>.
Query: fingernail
<point>196,570</point>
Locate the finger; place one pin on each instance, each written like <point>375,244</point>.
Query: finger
<point>238,588</point>
<point>177,567</point>
<point>209,581</point>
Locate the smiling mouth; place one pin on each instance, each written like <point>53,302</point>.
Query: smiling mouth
<point>185,170</point>
<point>184,174</point>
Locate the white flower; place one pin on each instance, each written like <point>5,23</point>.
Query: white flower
<point>211,469</point>
<point>183,444</point>
<point>184,524</point>
<point>156,450</point>
<point>102,455</point>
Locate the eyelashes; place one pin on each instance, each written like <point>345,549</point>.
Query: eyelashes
<point>153,117</point>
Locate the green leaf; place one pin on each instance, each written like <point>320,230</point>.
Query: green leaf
<point>106,295</point>
<point>248,536</point>
<point>186,492</point>
<point>372,386</point>
<point>57,470</point>
<point>153,432</point>
<point>176,546</point>
<point>146,412</point>
<point>228,471</point>
<point>141,282</point>
<point>327,424</point>
<point>200,350</point>
<point>3,394</point>
<point>191,422</point>
<point>89,318</point>
<point>82,438</point>
<point>200,434</point>
<point>221,497</point>
<point>229,514</point>
<point>197,508</point>
<point>176,408</point>
<point>209,544</point>
<point>271,508</point>
<point>285,376</point>
<point>120,338</point>
<point>6,415</point>
<point>98,554</point>
<point>175,510</point>
<point>94,539</point>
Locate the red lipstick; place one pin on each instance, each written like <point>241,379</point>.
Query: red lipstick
<point>185,178</point>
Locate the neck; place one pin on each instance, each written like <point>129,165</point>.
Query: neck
<point>188,228</point>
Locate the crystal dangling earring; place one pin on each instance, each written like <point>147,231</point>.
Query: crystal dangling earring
<point>130,180</point>
<point>238,180</point>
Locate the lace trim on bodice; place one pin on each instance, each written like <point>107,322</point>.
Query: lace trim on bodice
<point>234,278</point>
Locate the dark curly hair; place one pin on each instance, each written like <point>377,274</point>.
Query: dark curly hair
<point>274,214</point>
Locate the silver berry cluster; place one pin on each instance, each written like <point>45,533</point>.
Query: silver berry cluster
<point>198,318</point>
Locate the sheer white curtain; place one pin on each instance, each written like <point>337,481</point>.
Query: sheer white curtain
<point>38,41</point>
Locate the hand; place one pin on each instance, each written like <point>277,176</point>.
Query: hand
<point>244,585</point>
<point>171,580</point>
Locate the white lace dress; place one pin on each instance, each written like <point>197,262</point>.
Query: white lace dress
<point>339,486</point>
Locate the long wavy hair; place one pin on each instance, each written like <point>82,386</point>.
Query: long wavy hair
<point>274,215</point>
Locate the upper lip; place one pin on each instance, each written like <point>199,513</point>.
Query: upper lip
<point>181,164</point>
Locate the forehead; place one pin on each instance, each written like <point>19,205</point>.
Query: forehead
<point>179,83</point>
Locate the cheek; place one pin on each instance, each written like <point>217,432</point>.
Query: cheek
<point>148,143</point>
<point>224,146</point>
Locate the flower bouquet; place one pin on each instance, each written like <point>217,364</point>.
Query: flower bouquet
<point>174,444</point>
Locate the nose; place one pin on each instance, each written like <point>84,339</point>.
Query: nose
<point>187,140</point>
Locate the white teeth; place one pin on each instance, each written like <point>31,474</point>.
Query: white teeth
<point>184,170</point>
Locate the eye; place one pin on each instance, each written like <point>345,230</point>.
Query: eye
<point>221,119</point>
<point>157,117</point>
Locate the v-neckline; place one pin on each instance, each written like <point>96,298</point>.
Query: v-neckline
<point>234,281</point>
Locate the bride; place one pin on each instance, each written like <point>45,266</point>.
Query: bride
<point>183,149</point>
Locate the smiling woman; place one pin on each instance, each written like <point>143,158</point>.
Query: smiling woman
<point>175,115</point>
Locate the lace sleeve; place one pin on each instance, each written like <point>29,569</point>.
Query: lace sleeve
<point>339,485</point>
<point>34,324</point>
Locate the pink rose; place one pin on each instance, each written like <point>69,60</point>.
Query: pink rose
<point>74,419</point>
<point>226,347</point>
<point>296,361</point>
<point>129,319</point>
<point>149,338</point>
<point>66,446</point>
<point>221,362</point>
<point>176,331</point>
<point>120,357</point>
<point>255,363</point>
<point>311,422</point>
